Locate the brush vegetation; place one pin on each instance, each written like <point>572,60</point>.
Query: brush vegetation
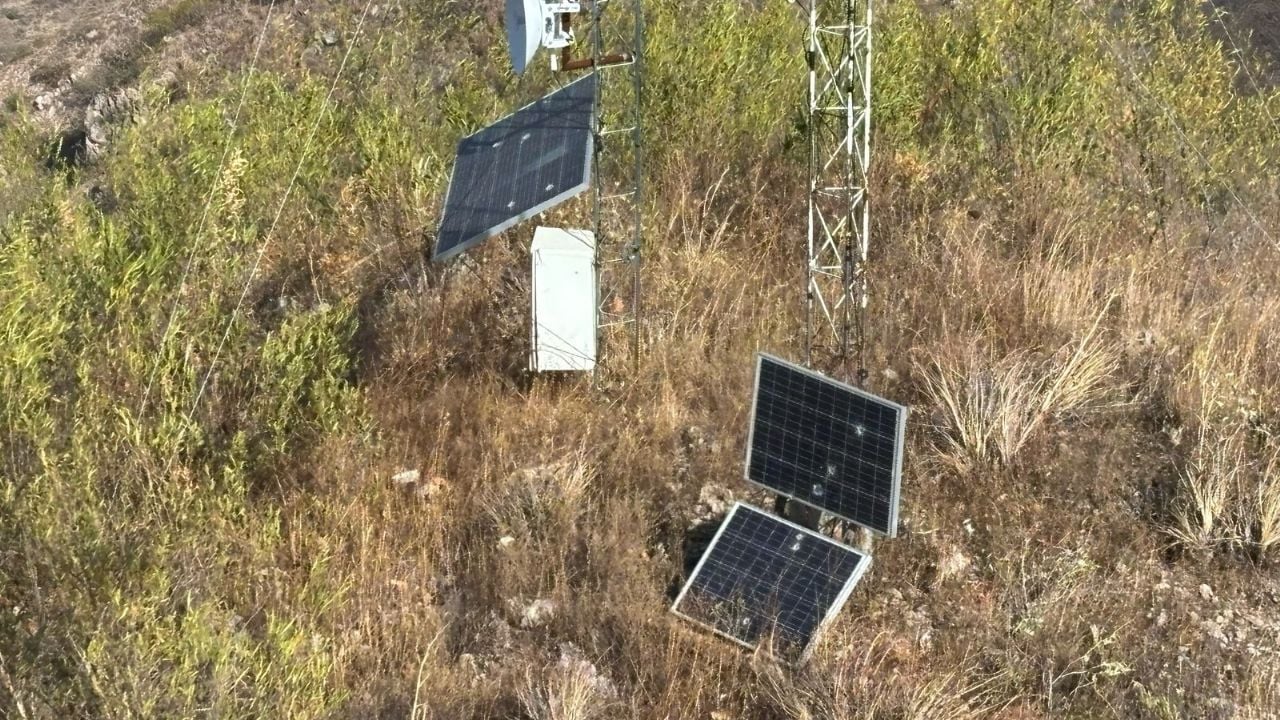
<point>205,390</point>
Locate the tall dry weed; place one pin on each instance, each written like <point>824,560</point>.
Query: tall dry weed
<point>1228,494</point>
<point>1262,693</point>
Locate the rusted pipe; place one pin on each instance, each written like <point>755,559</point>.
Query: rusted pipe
<point>584,63</point>
<point>565,59</point>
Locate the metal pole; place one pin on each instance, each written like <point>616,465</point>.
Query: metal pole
<point>637,77</point>
<point>849,270</point>
<point>865,273</point>
<point>597,183</point>
<point>811,253</point>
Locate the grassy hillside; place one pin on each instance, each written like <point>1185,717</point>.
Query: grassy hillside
<point>219,345</point>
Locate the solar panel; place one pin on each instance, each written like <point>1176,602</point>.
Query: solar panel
<point>527,162</point>
<point>767,579</point>
<point>826,444</point>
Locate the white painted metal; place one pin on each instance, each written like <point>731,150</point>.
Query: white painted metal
<point>565,299</point>
<point>524,32</point>
<point>534,24</point>
<point>839,58</point>
<point>554,33</point>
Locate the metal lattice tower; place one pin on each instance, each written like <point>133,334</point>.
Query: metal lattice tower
<point>618,174</point>
<point>839,126</point>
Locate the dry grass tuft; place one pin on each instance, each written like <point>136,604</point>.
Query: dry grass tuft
<point>993,406</point>
<point>1226,498</point>
<point>532,499</point>
<point>1268,505</point>
<point>571,689</point>
<point>868,683</point>
<point>1207,487</point>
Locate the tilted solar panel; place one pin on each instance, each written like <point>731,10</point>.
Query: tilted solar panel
<point>527,162</point>
<point>767,580</point>
<point>826,444</point>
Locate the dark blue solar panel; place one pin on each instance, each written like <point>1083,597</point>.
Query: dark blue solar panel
<point>527,162</point>
<point>766,579</point>
<point>826,444</point>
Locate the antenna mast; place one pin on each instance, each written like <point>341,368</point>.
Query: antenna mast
<point>618,175</point>
<point>838,54</point>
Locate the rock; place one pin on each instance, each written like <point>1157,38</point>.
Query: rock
<point>102,198</point>
<point>952,565</point>
<point>104,116</point>
<point>406,477</point>
<point>1206,592</point>
<point>411,481</point>
<point>329,38</point>
<point>890,374</point>
<point>713,502</point>
<point>572,662</point>
<point>436,487</point>
<point>91,35</point>
<point>506,541</point>
<point>43,102</point>
<point>538,613</point>
<point>693,436</point>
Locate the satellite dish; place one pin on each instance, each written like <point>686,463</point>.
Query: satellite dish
<point>538,23</point>
<point>524,31</point>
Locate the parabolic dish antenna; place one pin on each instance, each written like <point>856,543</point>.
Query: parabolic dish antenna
<point>524,31</point>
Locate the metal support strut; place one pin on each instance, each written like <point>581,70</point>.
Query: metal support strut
<point>839,128</point>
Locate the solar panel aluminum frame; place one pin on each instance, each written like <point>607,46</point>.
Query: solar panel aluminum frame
<point>836,605</point>
<point>534,211</point>
<point>900,438</point>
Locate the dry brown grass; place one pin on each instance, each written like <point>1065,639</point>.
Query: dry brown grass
<point>526,572</point>
<point>993,406</point>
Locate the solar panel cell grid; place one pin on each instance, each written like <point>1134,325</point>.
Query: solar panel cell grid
<point>524,164</point>
<point>763,577</point>
<point>826,444</point>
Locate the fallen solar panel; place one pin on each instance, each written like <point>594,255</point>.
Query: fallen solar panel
<point>765,581</point>
<point>826,444</point>
<point>524,164</point>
